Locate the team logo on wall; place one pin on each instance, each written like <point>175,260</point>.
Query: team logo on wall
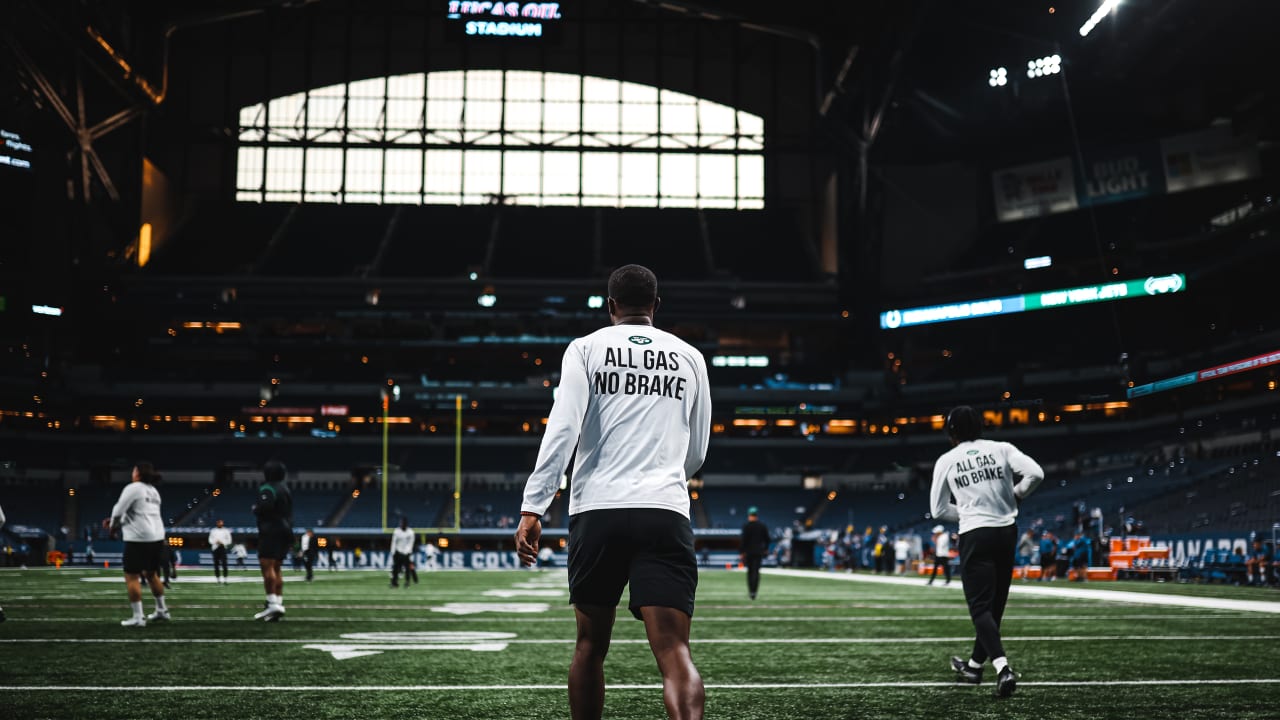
<point>640,340</point>
<point>1162,285</point>
<point>376,643</point>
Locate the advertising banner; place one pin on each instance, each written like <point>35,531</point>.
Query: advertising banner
<point>1208,158</point>
<point>1119,174</point>
<point>1034,190</point>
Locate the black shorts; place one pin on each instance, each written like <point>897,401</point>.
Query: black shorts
<point>274,543</point>
<point>143,557</point>
<point>650,548</point>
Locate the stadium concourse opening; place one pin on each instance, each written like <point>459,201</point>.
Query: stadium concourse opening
<point>354,245</point>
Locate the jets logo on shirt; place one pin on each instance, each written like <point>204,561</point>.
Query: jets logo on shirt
<point>972,452</point>
<point>640,340</point>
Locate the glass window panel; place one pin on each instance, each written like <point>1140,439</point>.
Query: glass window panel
<point>445,116</point>
<point>601,119</point>
<point>521,176</point>
<point>679,119</point>
<point>751,176</point>
<point>640,118</point>
<point>404,174</point>
<point>560,176</point>
<point>324,174</point>
<point>364,172</point>
<point>600,90</point>
<point>679,176</point>
<point>284,168</point>
<point>445,85</point>
<point>444,176</point>
<point>634,94</point>
<point>253,116</point>
<point>640,177</point>
<point>524,85</point>
<point>716,119</point>
<point>523,115</point>
<point>404,113</point>
<point>481,175</point>
<point>562,88</point>
<point>561,117</point>
<point>484,85</point>
<point>249,168</point>
<point>365,113</point>
<point>600,174</point>
<point>483,114</point>
<point>286,112</point>
<point>716,176</point>
<point>405,86</point>
<point>374,88</point>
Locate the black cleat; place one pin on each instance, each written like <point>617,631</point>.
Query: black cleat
<point>1006,683</point>
<point>964,673</point>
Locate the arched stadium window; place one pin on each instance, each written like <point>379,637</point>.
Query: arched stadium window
<point>513,136</point>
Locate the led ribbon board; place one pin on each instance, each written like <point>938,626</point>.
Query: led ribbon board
<point>1191,378</point>
<point>1145,287</point>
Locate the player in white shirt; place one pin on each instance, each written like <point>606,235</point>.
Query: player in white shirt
<point>137,516</point>
<point>402,542</point>
<point>635,402</point>
<point>941,553</point>
<point>988,480</point>
<point>220,543</point>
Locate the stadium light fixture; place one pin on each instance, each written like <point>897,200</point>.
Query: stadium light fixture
<point>487,300</point>
<point>1045,66</point>
<point>595,302</point>
<point>1036,263</point>
<point>1098,15</point>
<point>999,77</point>
<point>46,310</point>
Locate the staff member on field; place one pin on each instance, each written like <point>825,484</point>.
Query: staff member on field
<point>137,516</point>
<point>987,480</point>
<point>755,545</point>
<point>635,402</point>
<point>402,542</point>
<point>220,542</point>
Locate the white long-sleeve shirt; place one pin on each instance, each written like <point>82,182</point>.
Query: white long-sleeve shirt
<point>402,541</point>
<point>942,544</point>
<point>220,536</point>
<point>981,474</point>
<point>636,402</point>
<point>138,513</point>
<point>306,542</point>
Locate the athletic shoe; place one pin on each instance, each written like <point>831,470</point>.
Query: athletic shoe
<point>1006,682</point>
<point>272,614</point>
<point>753,596</point>
<point>1,614</point>
<point>159,615</point>
<point>134,622</point>
<point>964,673</point>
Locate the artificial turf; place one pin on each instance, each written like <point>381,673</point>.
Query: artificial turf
<point>809,647</point>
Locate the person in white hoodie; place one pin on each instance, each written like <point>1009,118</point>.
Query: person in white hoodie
<point>137,516</point>
<point>988,480</point>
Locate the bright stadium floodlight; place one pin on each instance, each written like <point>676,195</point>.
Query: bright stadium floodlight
<point>1036,263</point>
<point>1045,66</point>
<point>595,302</point>
<point>999,77</point>
<point>487,300</point>
<point>1106,7</point>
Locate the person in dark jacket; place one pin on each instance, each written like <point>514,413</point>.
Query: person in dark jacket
<point>274,510</point>
<point>755,545</point>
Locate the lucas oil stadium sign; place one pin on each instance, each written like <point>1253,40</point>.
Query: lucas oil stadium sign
<point>505,19</point>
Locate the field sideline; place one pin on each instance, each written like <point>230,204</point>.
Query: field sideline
<point>497,645</point>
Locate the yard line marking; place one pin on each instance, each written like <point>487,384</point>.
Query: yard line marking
<point>643,641</point>
<point>709,686</point>
<point>744,619</point>
<point>1120,596</point>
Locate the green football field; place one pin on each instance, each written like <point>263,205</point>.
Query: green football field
<point>497,645</point>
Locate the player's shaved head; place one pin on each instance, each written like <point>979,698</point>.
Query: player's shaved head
<point>633,286</point>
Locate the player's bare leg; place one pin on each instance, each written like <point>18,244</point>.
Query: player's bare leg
<point>586,672</point>
<point>682,691</point>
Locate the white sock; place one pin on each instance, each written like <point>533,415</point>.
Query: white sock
<point>275,600</point>
<point>160,606</point>
<point>975,665</point>
<point>137,608</point>
<point>1000,663</point>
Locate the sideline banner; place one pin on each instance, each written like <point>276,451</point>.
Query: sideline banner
<point>1029,191</point>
